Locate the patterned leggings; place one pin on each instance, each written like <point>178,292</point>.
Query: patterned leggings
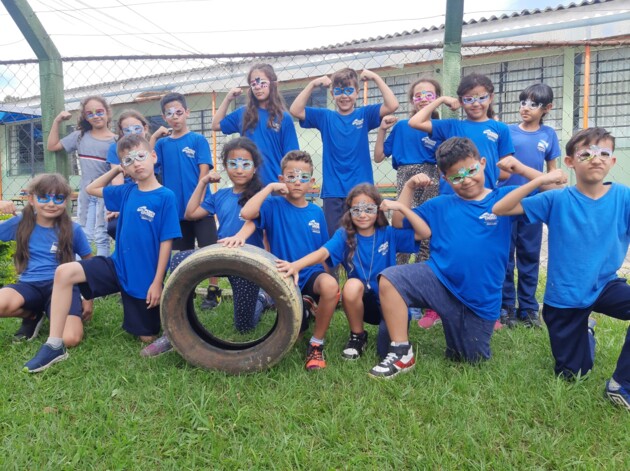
<point>403,174</point>
<point>248,305</point>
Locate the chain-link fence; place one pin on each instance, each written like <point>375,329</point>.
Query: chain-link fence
<point>139,83</point>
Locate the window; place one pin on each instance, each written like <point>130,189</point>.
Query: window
<point>26,149</point>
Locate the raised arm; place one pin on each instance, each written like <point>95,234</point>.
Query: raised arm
<point>390,102</point>
<point>251,210</point>
<point>298,107</point>
<point>510,204</point>
<point>293,268</point>
<point>422,119</point>
<point>223,107</point>
<point>420,227</point>
<point>96,187</point>
<point>511,164</point>
<point>194,210</point>
<point>420,180</point>
<point>54,141</point>
<point>386,123</point>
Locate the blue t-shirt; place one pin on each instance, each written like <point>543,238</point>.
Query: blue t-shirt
<point>178,160</point>
<point>42,247</point>
<point>273,142</point>
<point>346,148</point>
<point>146,219</point>
<point>491,137</point>
<point>469,248</point>
<point>373,253</point>
<point>224,203</point>
<point>409,146</point>
<point>112,159</point>
<point>293,232</point>
<point>533,148</point>
<point>588,241</point>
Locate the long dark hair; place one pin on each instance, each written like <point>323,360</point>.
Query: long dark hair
<point>370,191</point>
<point>83,124</point>
<point>473,80</point>
<point>275,102</point>
<point>46,183</point>
<point>438,93</point>
<point>254,185</point>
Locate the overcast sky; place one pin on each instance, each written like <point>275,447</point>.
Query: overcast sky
<point>116,27</point>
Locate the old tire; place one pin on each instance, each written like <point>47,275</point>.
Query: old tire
<point>200,347</point>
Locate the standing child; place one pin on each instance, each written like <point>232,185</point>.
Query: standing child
<point>45,237</point>
<point>588,240</point>
<point>147,225</point>
<point>463,276</point>
<point>263,119</point>
<point>294,229</point>
<point>184,158</point>
<point>535,144</point>
<point>365,244</point>
<point>492,138</point>
<point>346,153</point>
<point>91,140</point>
<point>241,159</point>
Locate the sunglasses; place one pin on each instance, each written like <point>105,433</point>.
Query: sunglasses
<point>132,156</point>
<point>95,113</point>
<point>48,197</point>
<point>258,82</point>
<point>424,95</point>
<point>367,208</point>
<point>172,112</point>
<point>584,155</point>
<point>531,105</point>
<point>470,99</point>
<point>133,129</point>
<point>233,164</point>
<point>343,91</point>
<point>296,175</point>
<point>464,173</point>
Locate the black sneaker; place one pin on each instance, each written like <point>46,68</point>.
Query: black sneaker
<point>213,298</point>
<point>310,307</point>
<point>398,360</point>
<point>355,346</point>
<point>531,319</point>
<point>508,317</point>
<point>30,328</point>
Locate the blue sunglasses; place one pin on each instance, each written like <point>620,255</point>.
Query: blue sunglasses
<point>57,199</point>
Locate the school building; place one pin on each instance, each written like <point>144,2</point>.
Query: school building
<point>582,51</point>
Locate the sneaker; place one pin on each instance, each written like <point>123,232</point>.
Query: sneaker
<point>30,328</point>
<point>592,323</point>
<point>315,357</point>
<point>45,357</point>
<point>355,346</point>
<point>157,348</point>
<point>398,360</point>
<point>429,319</point>
<point>619,396</point>
<point>213,298</point>
<point>415,313</point>
<point>530,319</point>
<point>310,306</point>
<point>508,317</point>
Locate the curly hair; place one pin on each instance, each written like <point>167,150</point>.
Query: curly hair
<point>370,191</point>
<point>46,183</point>
<point>275,105</point>
<point>83,124</point>
<point>254,185</point>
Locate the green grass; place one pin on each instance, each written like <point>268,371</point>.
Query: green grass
<point>108,408</point>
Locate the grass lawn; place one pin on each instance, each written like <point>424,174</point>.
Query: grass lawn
<point>108,408</point>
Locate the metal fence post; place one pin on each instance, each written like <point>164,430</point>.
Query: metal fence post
<point>452,60</point>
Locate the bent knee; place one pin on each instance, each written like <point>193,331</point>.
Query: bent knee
<point>72,339</point>
<point>353,288</point>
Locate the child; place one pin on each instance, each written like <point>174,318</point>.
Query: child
<point>463,277</point>
<point>45,237</point>
<point>294,229</point>
<point>183,159</point>
<point>91,140</point>
<point>588,240</point>
<point>365,244</point>
<point>241,159</point>
<point>534,144</point>
<point>264,120</point>
<point>491,137</point>
<point>147,225</point>
<point>346,154</point>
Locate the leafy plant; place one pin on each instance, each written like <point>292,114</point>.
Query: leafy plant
<point>7,267</point>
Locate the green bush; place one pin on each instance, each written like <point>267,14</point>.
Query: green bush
<point>7,268</point>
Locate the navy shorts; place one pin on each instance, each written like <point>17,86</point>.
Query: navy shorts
<point>467,334</point>
<point>102,280</point>
<point>333,210</point>
<point>372,313</point>
<point>37,295</point>
<point>204,230</point>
